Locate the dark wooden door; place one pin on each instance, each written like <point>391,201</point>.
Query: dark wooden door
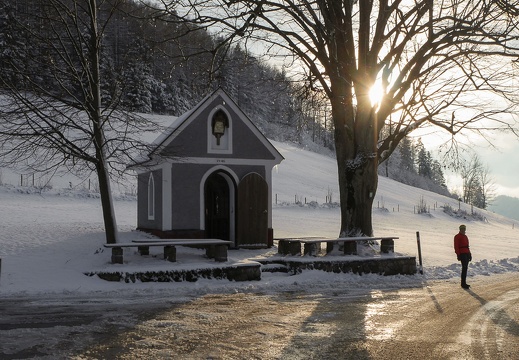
<point>217,214</point>
<point>252,213</point>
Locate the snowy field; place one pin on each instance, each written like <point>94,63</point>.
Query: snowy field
<point>49,240</point>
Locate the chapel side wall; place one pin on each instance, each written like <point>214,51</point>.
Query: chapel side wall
<point>142,201</point>
<point>185,192</point>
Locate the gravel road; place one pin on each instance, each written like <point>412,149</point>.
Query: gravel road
<point>436,321</point>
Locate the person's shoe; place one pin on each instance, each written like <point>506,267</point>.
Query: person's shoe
<point>465,286</point>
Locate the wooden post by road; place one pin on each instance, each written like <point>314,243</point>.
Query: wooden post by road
<point>419,252</point>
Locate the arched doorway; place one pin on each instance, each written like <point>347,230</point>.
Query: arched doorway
<point>217,196</point>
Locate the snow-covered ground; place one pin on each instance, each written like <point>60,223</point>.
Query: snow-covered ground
<point>49,240</point>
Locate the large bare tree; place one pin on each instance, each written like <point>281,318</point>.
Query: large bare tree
<point>441,63</point>
<point>53,115</point>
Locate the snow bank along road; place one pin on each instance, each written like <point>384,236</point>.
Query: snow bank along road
<point>437,320</point>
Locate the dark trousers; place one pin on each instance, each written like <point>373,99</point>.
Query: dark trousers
<point>465,259</point>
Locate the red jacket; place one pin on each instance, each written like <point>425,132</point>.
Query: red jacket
<point>461,244</point>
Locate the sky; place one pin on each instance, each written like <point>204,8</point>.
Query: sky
<point>503,165</point>
<point>497,152</point>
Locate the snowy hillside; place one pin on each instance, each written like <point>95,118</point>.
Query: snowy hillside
<point>306,174</point>
<point>48,240</point>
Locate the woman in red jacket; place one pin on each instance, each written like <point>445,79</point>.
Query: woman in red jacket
<point>461,247</point>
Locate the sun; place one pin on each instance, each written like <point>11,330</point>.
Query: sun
<point>375,94</point>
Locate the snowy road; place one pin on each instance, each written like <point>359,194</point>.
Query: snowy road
<point>436,321</point>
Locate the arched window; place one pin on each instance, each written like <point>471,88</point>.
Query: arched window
<point>151,197</point>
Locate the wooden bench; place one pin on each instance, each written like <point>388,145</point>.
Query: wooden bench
<point>215,248</point>
<point>292,246</point>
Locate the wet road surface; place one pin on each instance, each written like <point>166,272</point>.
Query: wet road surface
<point>438,320</point>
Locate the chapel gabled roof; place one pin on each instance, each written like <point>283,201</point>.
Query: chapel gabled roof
<point>180,123</point>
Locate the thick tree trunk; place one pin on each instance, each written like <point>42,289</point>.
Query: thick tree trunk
<point>357,188</point>
<point>357,161</point>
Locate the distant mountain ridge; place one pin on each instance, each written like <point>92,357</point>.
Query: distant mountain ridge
<point>505,205</point>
